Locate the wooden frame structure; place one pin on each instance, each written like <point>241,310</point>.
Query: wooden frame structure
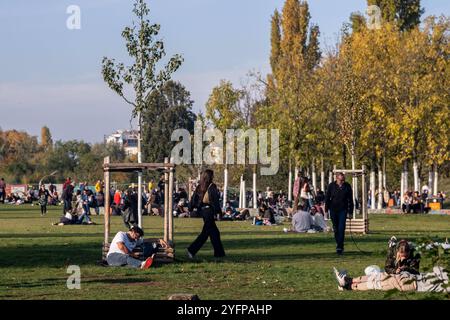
<point>165,254</point>
<point>358,225</point>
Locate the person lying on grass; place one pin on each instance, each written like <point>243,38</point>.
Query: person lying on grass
<point>121,250</point>
<point>435,281</point>
<point>73,218</point>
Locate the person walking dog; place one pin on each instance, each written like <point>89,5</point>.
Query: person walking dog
<point>339,201</point>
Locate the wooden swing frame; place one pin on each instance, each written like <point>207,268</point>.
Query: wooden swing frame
<point>164,254</point>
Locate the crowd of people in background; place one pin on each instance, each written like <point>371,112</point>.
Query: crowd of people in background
<point>413,201</point>
<point>80,201</point>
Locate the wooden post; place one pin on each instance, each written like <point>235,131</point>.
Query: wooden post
<point>107,208</point>
<point>170,204</point>
<point>166,201</point>
<point>364,196</point>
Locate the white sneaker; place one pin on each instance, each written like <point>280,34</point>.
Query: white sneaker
<point>340,277</point>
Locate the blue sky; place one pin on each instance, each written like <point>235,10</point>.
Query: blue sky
<point>50,75</point>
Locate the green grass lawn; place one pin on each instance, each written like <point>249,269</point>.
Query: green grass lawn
<point>261,262</point>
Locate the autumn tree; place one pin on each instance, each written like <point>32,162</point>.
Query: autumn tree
<point>46,138</point>
<point>405,13</point>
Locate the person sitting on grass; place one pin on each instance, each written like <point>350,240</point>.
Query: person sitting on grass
<point>228,214</point>
<point>242,215</point>
<point>401,258</point>
<point>265,216</point>
<point>302,219</point>
<point>121,250</point>
<point>318,220</point>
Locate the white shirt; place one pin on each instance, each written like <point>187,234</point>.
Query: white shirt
<point>301,221</point>
<point>122,237</point>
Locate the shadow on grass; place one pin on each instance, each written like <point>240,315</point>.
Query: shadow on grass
<point>59,256</point>
<point>49,235</point>
<point>62,281</point>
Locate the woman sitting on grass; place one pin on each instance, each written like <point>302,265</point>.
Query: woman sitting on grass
<point>401,258</point>
<point>265,216</point>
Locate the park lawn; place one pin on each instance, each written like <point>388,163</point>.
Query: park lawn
<point>261,262</point>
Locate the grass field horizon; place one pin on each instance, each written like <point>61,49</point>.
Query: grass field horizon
<point>262,262</point>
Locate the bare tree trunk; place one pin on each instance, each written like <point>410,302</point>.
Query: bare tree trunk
<point>255,206</point>
<point>402,187</point>
<point>244,194</point>
<point>225,185</point>
<point>372,188</point>
<point>314,176</point>
<point>405,170</point>
<point>384,172</point>
<point>290,182</point>
<point>330,177</point>
<point>354,179</point>
<point>435,187</point>
<point>344,156</point>
<point>322,176</point>
<point>240,193</point>
<point>430,181</point>
<point>380,188</point>
<point>416,176</point>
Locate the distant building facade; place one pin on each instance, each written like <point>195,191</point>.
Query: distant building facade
<point>128,139</point>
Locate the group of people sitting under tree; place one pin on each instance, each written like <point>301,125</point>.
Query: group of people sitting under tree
<point>401,272</point>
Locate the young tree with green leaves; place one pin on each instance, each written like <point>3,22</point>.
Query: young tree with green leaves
<point>142,75</point>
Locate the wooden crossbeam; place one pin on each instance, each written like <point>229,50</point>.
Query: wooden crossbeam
<point>121,167</point>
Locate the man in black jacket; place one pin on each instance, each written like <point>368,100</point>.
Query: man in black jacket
<point>339,201</point>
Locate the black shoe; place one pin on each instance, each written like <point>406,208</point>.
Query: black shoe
<point>339,252</point>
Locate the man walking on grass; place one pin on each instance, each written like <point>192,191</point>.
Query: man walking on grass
<point>339,201</point>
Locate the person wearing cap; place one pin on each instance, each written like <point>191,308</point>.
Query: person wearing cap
<point>121,250</point>
<point>339,201</point>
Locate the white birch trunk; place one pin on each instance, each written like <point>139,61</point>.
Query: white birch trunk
<point>430,182</point>
<point>314,177</point>
<point>380,188</point>
<point>402,187</point>
<point>244,200</point>
<point>290,183</point>
<point>240,193</point>
<point>322,180</point>
<point>373,188</point>
<point>405,170</point>
<point>416,176</point>
<point>354,179</point>
<point>225,185</point>
<point>435,180</point>
<point>254,191</point>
